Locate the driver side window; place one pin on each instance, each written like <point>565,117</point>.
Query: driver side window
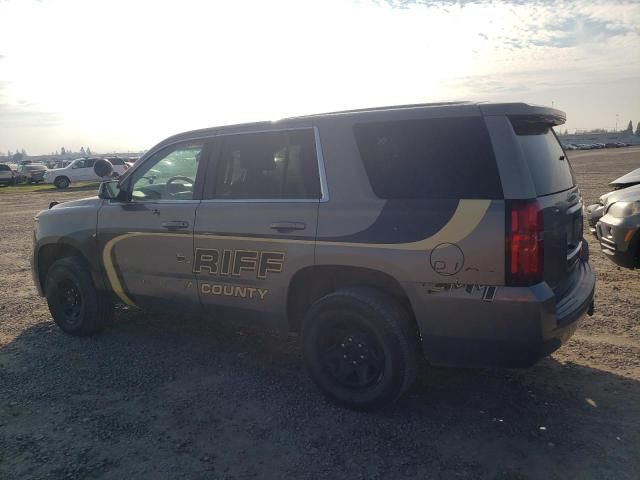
<point>169,175</point>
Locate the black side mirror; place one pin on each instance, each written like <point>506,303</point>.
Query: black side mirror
<point>109,190</point>
<point>103,168</point>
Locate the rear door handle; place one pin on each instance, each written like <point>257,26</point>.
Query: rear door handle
<point>175,225</point>
<point>287,226</point>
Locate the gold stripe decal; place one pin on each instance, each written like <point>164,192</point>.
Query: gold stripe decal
<point>112,275</point>
<point>464,220</point>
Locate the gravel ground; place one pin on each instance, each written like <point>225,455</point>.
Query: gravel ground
<point>166,397</point>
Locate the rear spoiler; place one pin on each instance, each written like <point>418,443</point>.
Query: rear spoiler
<point>525,113</point>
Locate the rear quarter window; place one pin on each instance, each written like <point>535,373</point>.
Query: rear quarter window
<point>429,158</point>
<point>548,164</point>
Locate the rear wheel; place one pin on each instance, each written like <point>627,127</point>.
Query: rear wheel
<point>75,304</point>
<point>61,182</point>
<point>360,347</point>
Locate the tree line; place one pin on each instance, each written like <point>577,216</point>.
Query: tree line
<point>20,153</point>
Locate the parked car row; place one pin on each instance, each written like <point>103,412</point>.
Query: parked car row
<point>79,170</point>
<point>593,146</point>
<point>615,220</point>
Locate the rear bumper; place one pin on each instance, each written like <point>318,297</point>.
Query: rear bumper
<point>479,326</point>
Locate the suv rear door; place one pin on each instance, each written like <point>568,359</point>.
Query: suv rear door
<point>256,225</point>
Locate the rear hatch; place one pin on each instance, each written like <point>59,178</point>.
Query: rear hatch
<point>558,198</point>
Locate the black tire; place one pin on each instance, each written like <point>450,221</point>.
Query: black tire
<point>360,347</point>
<point>61,182</point>
<point>75,304</point>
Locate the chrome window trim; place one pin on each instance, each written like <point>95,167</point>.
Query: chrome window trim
<point>322,175</point>
<point>324,189</point>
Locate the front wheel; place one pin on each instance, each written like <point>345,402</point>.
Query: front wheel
<point>61,182</point>
<point>360,347</point>
<point>75,304</point>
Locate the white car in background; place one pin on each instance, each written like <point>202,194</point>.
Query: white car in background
<point>81,170</point>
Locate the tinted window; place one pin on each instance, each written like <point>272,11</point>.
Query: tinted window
<point>268,165</point>
<point>4,168</point>
<point>548,164</point>
<point>116,161</point>
<point>433,158</point>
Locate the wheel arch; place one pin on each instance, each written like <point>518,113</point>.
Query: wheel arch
<point>312,283</point>
<point>50,253</point>
<point>58,177</point>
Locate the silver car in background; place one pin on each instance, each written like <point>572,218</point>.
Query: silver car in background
<point>7,177</point>
<point>619,229</point>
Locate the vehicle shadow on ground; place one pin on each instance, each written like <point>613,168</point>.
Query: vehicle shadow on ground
<point>151,397</point>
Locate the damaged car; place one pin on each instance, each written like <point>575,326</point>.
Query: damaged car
<point>618,231</point>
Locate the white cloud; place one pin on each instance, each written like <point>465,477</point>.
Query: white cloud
<point>120,74</point>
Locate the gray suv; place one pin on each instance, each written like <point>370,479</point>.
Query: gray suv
<point>452,231</point>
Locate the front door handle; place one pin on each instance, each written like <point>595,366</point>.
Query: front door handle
<point>175,225</point>
<point>287,226</point>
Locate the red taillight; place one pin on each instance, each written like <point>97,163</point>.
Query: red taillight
<point>524,244</point>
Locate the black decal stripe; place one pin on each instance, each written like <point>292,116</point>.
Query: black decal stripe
<point>404,221</point>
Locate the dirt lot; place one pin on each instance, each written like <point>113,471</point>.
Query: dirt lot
<point>198,398</point>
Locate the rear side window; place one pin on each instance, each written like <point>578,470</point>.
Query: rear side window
<point>429,158</point>
<point>4,168</point>
<point>268,165</point>
<point>548,164</point>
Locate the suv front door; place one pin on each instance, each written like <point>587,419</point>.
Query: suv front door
<point>256,225</point>
<point>146,239</point>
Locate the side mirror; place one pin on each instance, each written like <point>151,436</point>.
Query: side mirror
<point>109,190</point>
<point>103,168</point>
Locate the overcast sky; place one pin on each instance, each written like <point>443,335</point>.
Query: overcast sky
<point>122,75</point>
